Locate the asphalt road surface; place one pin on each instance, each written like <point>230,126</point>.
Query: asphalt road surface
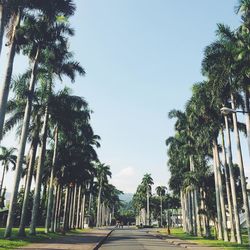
<point>133,239</point>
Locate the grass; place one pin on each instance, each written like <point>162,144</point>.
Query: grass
<point>178,232</point>
<point>15,241</point>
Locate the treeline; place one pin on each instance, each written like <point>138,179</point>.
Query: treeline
<point>210,184</point>
<point>62,162</point>
<point>148,206</point>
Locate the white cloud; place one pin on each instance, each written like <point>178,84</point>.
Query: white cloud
<point>126,172</point>
<point>126,180</point>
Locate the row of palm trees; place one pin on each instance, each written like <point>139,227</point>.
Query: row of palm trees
<point>198,153</point>
<point>56,125</point>
<point>141,198</point>
<point>153,205</point>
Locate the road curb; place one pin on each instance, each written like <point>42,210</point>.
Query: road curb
<point>184,244</point>
<point>97,246</point>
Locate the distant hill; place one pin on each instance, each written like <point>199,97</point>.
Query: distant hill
<point>127,197</point>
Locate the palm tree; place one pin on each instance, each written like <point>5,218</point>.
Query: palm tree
<point>59,65</point>
<point>102,174</point>
<point>219,57</point>
<point>7,157</point>
<point>5,15</point>
<point>184,126</point>
<point>16,110</point>
<point>239,40</point>
<point>4,93</point>
<point>17,13</point>
<point>61,104</point>
<point>161,191</point>
<point>45,37</point>
<point>147,182</point>
<point>228,189</point>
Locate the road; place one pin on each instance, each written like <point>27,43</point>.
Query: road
<point>133,239</point>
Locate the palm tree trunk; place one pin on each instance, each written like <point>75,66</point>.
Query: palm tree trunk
<point>194,202</point>
<point>78,207</point>
<point>51,186</point>
<point>247,106</point>
<point>148,212</point>
<point>218,205</point>
<point>221,195</point>
<point>161,210</point>
<point>58,209</point>
<point>241,167</point>
<point>54,209</point>
<point>183,211</point>
<point>228,190</point>
<point>1,186</point>
<point>65,212</point>
<point>39,174</point>
<point>74,207</point>
<point>21,231</point>
<point>186,222</point>
<point>186,212</point>
<point>196,209</point>
<point>89,206</point>
<point>24,134</point>
<point>2,20</point>
<point>4,93</point>
<point>193,211</point>
<point>102,214</point>
<point>232,183</point>
<point>204,229</point>
<point>70,206</point>
<point>208,231</point>
<point>190,213</point>
<point>98,207</point>
<point>83,210</point>
<point>55,219</point>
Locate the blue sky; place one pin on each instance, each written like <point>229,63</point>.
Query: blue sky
<point>141,59</point>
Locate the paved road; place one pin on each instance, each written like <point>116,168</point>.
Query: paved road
<point>133,239</point>
<point>71,241</point>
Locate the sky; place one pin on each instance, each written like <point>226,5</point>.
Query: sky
<point>141,59</point>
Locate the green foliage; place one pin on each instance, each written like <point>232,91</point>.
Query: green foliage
<point>127,213</point>
<point>140,197</point>
<point>18,208</point>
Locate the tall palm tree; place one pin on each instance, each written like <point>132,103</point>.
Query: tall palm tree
<point>228,188</point>
<point>5,15</point>
<point>16,110</point>
<point>62,106</point>
<point>147,182</point>
<point>102,174</point>
<point>15,20</point>
<point>60,64</point>
<point>18,12</point>
<point>44,38</point>
<point>220,57</point>
<point>161,191</point>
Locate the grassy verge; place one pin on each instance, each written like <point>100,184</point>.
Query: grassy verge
<point>178,232</point>
<point>15,241</point>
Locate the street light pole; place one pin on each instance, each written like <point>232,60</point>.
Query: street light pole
<point>226,111</point>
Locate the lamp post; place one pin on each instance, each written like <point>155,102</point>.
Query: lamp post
<point>226,111</point>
